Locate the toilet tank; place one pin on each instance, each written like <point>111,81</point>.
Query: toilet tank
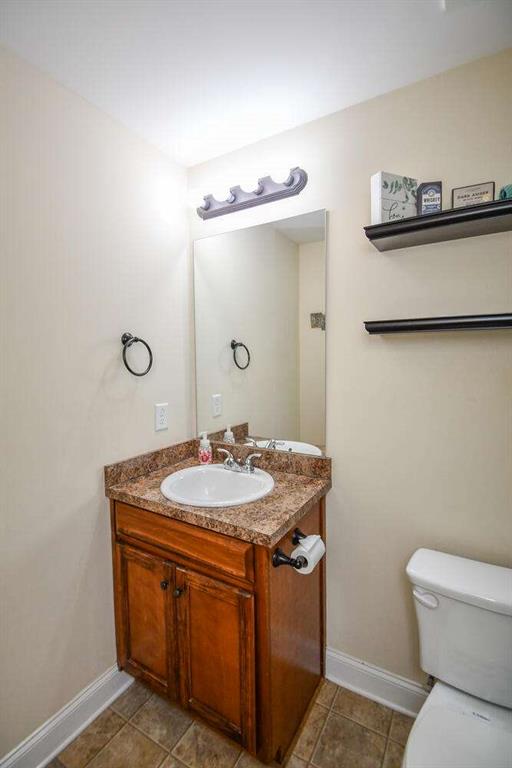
<point>464,612</point>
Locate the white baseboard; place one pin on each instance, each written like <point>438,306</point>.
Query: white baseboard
<point>53,736</point>
<point>377,684</point>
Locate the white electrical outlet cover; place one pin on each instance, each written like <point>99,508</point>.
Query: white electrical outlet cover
<point>161,416</point>
<point>216,405</point>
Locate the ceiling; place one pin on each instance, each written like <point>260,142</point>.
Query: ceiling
<point>199,78</point>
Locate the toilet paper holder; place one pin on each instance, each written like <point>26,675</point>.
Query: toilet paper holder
<point>280,558</point>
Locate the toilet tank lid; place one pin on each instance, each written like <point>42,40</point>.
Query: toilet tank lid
<point>487,586</point>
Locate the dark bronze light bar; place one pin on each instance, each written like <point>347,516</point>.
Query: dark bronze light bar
<point>430,324</point>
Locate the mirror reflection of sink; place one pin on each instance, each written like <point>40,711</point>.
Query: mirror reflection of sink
<point>214,486</point>
<point>252,372</point>
<point>292,446</point>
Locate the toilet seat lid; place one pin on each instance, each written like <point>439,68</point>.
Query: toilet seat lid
<point>446,738</point>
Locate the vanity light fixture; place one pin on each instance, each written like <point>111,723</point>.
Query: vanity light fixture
<point>267,191</point>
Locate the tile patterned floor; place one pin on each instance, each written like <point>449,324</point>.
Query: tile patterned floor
<point>141,730</point>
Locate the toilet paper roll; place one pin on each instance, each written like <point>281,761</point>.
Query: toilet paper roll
<point>312,549</point>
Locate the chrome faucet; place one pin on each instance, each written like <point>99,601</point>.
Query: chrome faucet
<point>233,465</point>
<point>230,462</point>
<point>273,443</point>
<point>251,441</point>
<point>248,467</point>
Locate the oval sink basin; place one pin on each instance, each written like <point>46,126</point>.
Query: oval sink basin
<point>214,486</point>
<point>292,446</point>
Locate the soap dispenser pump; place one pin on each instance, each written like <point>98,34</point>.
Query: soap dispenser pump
<point>229,436</point>
<point>205,449</point>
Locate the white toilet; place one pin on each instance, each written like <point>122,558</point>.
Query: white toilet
<point>464,612</point>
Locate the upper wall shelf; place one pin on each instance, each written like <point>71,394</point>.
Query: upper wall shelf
<point>483,219</point>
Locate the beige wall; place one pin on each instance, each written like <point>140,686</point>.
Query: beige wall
<point>92,243</point>
<point>419,426</point>
<point>311,343</point>
<point>238,278</point>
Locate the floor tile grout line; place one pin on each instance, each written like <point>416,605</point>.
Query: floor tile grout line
<point>390,723</point>
<point>128,719</point>
<point>171,751</point>
<point>384,754</point>
<point>366,699</point>
<point>104,746</point>
<point>362,725</point>
<point>140,730</point>
<point>303,725</point>
<point>127,722</point>
<point>318,738</point>
<point>57,757</point>
<point>365,728</point>
<point>143,733</point>
<point>239,759</point>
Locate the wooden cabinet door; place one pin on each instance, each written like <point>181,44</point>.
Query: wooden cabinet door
<point>216,651</point>
<point>148,643</point>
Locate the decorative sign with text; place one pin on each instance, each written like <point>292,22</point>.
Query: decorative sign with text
<point>392,196</point>
<point>476,193</point>
<point>429,197</point>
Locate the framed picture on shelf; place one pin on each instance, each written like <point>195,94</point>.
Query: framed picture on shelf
<point>429,199</point>
<point>473,195</point>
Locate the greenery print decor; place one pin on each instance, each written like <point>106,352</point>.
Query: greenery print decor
<point>393,197</point>
<point>409,186</point>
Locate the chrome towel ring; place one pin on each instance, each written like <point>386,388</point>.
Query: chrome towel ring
<point>127,340</point>
<point>234,346</point>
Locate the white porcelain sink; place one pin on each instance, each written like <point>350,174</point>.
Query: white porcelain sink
<point>214,486</point>
<point>292,446</point>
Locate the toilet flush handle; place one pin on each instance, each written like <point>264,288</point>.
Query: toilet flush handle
<point>425,598</point>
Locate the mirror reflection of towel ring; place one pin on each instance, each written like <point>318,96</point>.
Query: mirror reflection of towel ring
<point>127,340</point>
<point>234,346</point>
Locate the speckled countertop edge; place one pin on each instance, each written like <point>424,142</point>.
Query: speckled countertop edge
<point>262,522</point>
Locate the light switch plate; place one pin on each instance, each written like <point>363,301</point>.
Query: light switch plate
<point>216,405</point>
<point>161,416</point>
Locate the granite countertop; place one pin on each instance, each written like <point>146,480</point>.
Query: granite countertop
<point>263,522</point>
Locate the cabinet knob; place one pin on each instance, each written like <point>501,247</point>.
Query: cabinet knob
<point>164,584</point>
<point>178,591</point>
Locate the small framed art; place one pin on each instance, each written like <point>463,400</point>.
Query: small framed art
<point>476,193</point>
<point>429,198</point>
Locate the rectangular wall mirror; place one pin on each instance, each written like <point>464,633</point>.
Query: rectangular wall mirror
<point>264,288</point>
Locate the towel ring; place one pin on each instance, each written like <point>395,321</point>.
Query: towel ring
<point>234,346</point>
<point>127,340</point>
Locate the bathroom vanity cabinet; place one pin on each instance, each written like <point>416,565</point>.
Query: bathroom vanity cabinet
<point>206,620</point>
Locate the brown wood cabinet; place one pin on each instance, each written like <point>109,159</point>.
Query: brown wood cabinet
<point>206,620</point>
<point>216,651</point>
<point>146,583</point>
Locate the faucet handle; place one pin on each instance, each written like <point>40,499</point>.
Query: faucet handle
<point>230,461</point>
<point>248,467</point>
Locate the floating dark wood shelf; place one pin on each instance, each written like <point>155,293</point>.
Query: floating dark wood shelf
<point>457,323</point>
<point>483,219</point>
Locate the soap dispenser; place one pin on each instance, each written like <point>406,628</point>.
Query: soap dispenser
<point>229,436</point>
<point>205,449</point>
